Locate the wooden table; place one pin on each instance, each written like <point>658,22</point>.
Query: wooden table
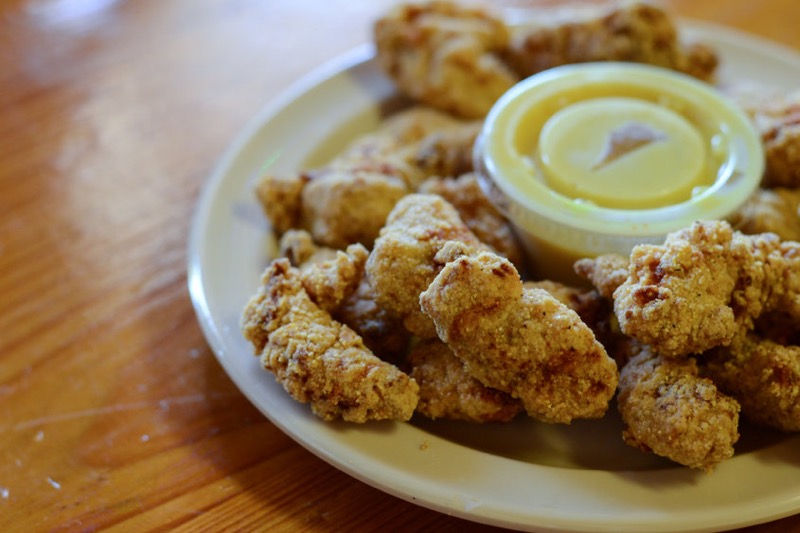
<point>113,410</point>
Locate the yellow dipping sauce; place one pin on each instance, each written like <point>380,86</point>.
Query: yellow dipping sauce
<point>596,158</point>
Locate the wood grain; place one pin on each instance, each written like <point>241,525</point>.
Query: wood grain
<point>113,411</point>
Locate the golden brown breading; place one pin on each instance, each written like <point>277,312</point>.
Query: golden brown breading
<point>318,360</point>
<point>411,145</point>
<point>330,282</point>
<point>298,246</point>
<point>763,375</point>
<point>329,211</point>
<point>447,391</point>
<point>622,31</point>
<point>448,152</point>
<point>597,312</point>
<point>606,272</point>
<point>405,257</point>
<point>373,172</point>
<point>382,332</point>
<point>705,283</point>
<point>478,213</point>
<point>770,210</point>
<point>404,128</point>
<point>280,198</point>
<point>776,115</point>
<point>445,55</point>
<point>668,409</point>
<point>521,341</point>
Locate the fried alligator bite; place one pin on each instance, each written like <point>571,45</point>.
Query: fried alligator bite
<point>520,341</point>
<point>335,281</point>
<point>478,213</point>
<point>640,32</point>
<point>763,375</point>
<point>318,360</point>
<point>770,211</point>
<point>668,409</point>
<point>704,284</point>
<point>373,172</point>
<point>447,391</point>
<point>776,115</point>
<point>445,55</point>
<point>406,256</point>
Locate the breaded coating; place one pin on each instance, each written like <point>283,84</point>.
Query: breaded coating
<point>597,312</point>
<point>392,148</point>
<point>770,210</point>
<point>329,276</point>
<point>590,305</point>
<point>668,409</point>
<point>448,152</point>
<point>405,128</point>
<point>405,258</point>
<point>703,284</point>
<point>373,172</point>
<point>445,55</point>
<point>382,332</point>
<point>280,198</point>
<point>606,272</point>
<point>763,375</point>
<point>776,115</point>
<point>413,145</point>
<point>341,208</point>
<point>328,283</point>
<point>447,391</point>
<point>298,246</point>
<point>636,31</point>
<point>318,360</point>
<point>478,213</point>
<point>521,341</point>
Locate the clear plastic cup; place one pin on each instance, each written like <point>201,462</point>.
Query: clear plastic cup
<point>596,158</point>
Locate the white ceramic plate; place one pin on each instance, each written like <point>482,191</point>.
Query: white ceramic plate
<point>524,475</point>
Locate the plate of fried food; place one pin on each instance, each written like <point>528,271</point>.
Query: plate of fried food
<point>360,285</point>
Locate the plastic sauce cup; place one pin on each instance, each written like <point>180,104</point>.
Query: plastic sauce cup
<point>596,158</point>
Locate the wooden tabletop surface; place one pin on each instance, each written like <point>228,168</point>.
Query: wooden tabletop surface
<point>114,413</point>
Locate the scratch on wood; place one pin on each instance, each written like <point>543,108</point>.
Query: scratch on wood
<point>163,404</point>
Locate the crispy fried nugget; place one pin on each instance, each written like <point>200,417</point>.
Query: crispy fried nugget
<point>705,283</point>
<point>406,256</point>
<point>329,212</point>
<point>373,172</point>
<point>318,360</point>
<point>770,210</point>
<point>413,145</point>
<point>520,341</point>
<point>622,31</point>
<point>447,391</point>
<point>329,275</point>
<point>383,333</point>
<point>298,246</point>
<point>606,272</point>
<point>448,152</point>
<point>280,197</point>
<point>445,55</point>
<point>330,282</point>
<point>478,213</point>
<point>776,115</point>
<point>763,375</point>
<point>668,409</point>
<point>597,312</point>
